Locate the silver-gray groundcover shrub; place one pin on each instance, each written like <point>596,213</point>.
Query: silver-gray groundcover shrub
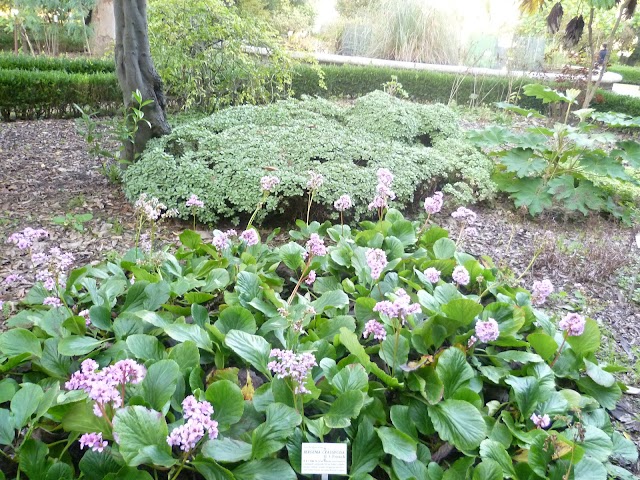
<point>222,157</point>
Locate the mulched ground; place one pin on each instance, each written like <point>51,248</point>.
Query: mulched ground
<point>46,172</point>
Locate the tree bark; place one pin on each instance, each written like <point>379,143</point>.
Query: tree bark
<point>135,70</point>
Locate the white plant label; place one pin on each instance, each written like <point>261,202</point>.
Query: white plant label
<point>327,458</point>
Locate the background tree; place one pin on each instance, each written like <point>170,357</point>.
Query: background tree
<point>136,71</point>
<point>584,19</point>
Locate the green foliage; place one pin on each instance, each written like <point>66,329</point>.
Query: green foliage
<point>75,221</point>
<point>629,74</point>
<point>566,167</point>
<point>206,55</point>
<point>394,403</point>
<point>36,94</point>
<point>222,158</point>
<point>44,63</point>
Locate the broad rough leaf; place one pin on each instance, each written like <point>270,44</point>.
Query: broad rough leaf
<point>459,423</point>
<point>227,401</point>
<point>265,469</point>
<point>453,370</point>
<point>160,383</point>
<point>272,435</point>
<point>183,332</point>
<point>345,407</point>
<point>18,341</point>
<point>253,349</point>
<point>143,436</point>
<point>530,193</point>
<point>398,444</point>
<point>523,162</point>
<point>366,449</point>
<point>227,450</point>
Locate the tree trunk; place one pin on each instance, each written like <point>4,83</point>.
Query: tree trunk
<point>135,70</point>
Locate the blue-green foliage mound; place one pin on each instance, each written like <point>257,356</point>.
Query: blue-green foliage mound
<point>221,158</point>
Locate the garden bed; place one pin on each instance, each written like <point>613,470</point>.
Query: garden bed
<point>52,175</point>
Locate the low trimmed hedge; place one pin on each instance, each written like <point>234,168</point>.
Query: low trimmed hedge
<point>45,63</point>
<point>354,81</point>
<point>630,75</point>
<point>44,94</point>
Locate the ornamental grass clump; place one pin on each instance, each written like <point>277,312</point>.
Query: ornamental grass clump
<point>228,355</point>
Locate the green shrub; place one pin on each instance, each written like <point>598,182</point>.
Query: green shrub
<point>44,63</point>
<point>456,376</point>
<point>223,157</point>
<point>35,94</point>
<point>629,74</point>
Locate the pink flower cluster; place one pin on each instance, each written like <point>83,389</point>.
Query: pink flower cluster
<point>541,290</point>
<point>250,237</point>
<point>343,203</point>
<point>432,274</point>
<point>541,421</point>
<point>461,275</point>
<point>52,302</point>
<point>104,386</point>
<point>311,277</point>
<point>573,323</point>
<point>195,202</point>
<point>433,204</point>
<point>25,239</point>
<point>152,208</point>
<point>464,214</point>
<point>292,365</point>
<point>377,261</point>
<point>85,314</point>
<point>376,328</point>
<point>315,180</point>
<point>268,182</point>
<point>52,267</point>
<point>487,331</point>
<point>222,240</point>
<point>400,308</point>
<point>315,246</point>
<point>13,279</point>
<point>93,441</point>
<point>383,190</point>
<point>198,424</point>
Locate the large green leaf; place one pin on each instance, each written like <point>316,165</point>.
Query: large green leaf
<point>265,469</point>
<point>544,93</point>
<point>75,345</point>
<point>598,375</point>
<point>291,255</point>
<point>210,470</point>
<point>186,355</point>
<point>183,332</point>
<point>97,465</point>
<point>404,231</point>
<point>345,407</point>
<point>142,434</point>
<point>459,423</point>
<point>145,347</point>
<point>253,349</point>
<point>590,469</point>
<point>523,162</point>
<point>18,341</point>
<point>333,299</point>
<point>444,248</point>
<point>227,450</point>
<point>395,352</point>
<point>528,393</point>
<point>160,383</point>
<point>366,450</point>
<point>25,403</point>
<point>543,344</point>
<point>453,370</point>
<point>7,428</point>
<point>227,401</point>
<point>34,460</point>
<point>492,450</point>
<point>247,286</point>
<point>272,435</point>
<point>588,342</point>
<point>462,310</point>
<point>350,377</point>
<point>527,192</point>
<point>398,444</point>
<point>236,318</point>
<point>596,443</point>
